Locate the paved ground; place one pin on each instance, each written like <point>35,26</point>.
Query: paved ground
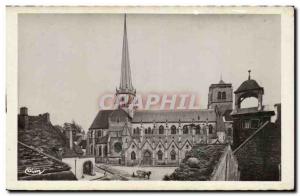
<point>157,173</point>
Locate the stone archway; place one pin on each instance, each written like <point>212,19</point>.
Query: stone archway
<point>147,158</point>
<point>88,168</point>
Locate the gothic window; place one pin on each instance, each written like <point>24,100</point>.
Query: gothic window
<point>185,130</point>
<point>210,129</point>
<point>173,155</point>
<point>149,130</point>
<point>198,128</point>
<point>137,130</point>
<point>159,155</point>
<point>100,150</point>
<point>187,146</point>
<point>223,95</point>
<point>173,129</point>
<point>219,95</point>
<point>161,129</point>
<point>133,156</point>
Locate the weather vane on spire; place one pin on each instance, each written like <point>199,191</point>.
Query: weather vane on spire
<point>249,71</point>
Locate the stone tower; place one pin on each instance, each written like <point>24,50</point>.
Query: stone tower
<point>125,94</point>
<point>220,95</point>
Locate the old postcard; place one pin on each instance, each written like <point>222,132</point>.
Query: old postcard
<point>150,98</point>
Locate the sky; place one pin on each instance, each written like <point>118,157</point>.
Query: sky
<point>67,61</point>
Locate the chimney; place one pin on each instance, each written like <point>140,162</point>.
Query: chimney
<point>23,119</point>
<point>24,111</point>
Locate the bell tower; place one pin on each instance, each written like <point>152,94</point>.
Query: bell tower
<point>125,94</point>
<point>220,95</point>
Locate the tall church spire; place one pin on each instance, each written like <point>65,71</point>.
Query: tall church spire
<point>125,80</point>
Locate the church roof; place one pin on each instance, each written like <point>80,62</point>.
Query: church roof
<point>174,116</point>
<point>248,85</point>
<point>118,115</point>
<point>101,120</point>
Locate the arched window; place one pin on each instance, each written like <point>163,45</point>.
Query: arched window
<point>223,95</point>
<point>137,130</point>
<point>160,155</point>
<point>219,95</point>
<point>133,156</point>
<point>149,130</point>
<point>198,128</point>
<point>161,129</point>
<point>100,150</point>
<point>173,129</point>
<point>173,155</point>
<point>185,130</point>
<point>210,129</point>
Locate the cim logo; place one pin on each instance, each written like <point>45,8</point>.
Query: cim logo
<point>33,171</point>
<point>153,101</point>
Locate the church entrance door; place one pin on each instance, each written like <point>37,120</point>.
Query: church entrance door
<point>147,158</point>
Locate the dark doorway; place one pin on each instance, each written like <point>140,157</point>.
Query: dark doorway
<point>88,168</point>
<point>147,158</point>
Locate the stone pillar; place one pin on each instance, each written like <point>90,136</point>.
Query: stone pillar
<point>102,150</point>
<point>153,158</point>
<point>70,138</point>
<point>93,139</point>
<point>260,107</point>
<point>236,103</point>
<point>166,156</point>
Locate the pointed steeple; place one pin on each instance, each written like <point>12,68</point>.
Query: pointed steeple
<point>125,80</point>
<point>221,80</point>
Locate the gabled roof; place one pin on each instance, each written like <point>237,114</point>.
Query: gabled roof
<point>119,115</point>
<point>101,120</point>
<point>30,157</point>
<point>174,116</point>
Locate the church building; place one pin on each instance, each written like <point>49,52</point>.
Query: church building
<point>128,136</point>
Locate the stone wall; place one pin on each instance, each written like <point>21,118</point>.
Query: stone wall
<point>260,158</point>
